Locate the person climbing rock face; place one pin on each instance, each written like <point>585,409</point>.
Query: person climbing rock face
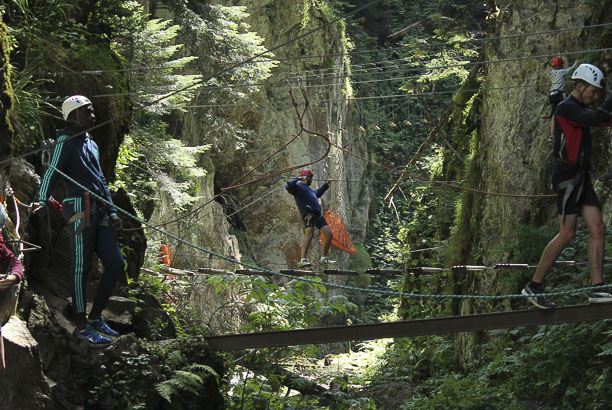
<point>557,88</point>
<point>90,221</point>
<point>307,201</point>
<point>572,183</point>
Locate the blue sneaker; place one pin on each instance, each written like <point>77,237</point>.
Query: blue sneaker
<point>100,325</point>
<point>90,335</point>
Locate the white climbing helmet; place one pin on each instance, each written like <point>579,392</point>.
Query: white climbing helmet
<point>590,74</point>
<point>3,217</point>
<point>72,103</point>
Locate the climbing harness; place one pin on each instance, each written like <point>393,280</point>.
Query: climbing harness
<point>569,185</point>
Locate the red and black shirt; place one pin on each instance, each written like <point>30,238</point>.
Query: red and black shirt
<point>572,130</point>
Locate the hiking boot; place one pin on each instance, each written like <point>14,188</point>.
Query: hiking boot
<point>90,335</point>
<point>100,326</point>
<point>325,259</point>
<point>303,263</point>
<point>534,293</point>
<point>600,294</point>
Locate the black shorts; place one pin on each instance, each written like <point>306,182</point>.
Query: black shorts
<point>312,219</point>
<point>588,196</point>
<point>556,96</point>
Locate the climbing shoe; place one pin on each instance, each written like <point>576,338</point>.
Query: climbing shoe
<point>100,326</point>
<point>325,259</point>
<point>303,263</point>
<point>600,294</point>
<point>534,293</point>
<point>91,336</point>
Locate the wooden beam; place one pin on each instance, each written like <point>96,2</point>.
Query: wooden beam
<point>468,267</point>
<point>425,269</point>
<point>169,271</point>
<point>297,272</point>
<point>510,266</point>
<point>252,272</point>
<point>419,327</point>
<point>211,271</point>
<point>384,271</point>
<point>340,272</point>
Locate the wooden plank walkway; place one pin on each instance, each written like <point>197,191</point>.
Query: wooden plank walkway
<point>420,327</point>
<point>371,271</point>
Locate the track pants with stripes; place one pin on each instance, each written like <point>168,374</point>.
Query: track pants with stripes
<point>98,237</point>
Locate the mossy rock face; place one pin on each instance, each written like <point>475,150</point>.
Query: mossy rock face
<point>6,96</point>
<point>361,260</point>
<point>511,152</point>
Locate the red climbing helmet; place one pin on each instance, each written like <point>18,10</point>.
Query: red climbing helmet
<point>556,62</point>
<point>306,173</point>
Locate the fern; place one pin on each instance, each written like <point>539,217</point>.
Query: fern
<point>190,380</point>
<point>165,390</point>
<point>176,358</point>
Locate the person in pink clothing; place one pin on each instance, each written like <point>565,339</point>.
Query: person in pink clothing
<point>11,273</point>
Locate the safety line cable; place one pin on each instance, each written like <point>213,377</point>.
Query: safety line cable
<point>443,183</point>
<point>358,52</point>
<point>314,282</point>
<point>275,173</point>
<point>405,95</point>
<point>256,200</point>
<point>467,63</point>
<point>360,73</point>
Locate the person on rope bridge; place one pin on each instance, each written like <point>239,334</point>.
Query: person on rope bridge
<point>12,274</point>
<point>307,201</point>
<point>90,221</point>
<point>557,88</point>
<point>572,183</point>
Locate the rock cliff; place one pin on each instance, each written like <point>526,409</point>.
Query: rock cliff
<point>513,151</point>
<point>259,223</point>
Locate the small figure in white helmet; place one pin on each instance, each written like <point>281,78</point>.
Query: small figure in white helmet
<point>557,88</point>
<point>90,221</point>
<point>307,201</point>
<point>572,183</point>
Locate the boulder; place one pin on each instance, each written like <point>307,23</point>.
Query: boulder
<point>23,385</point>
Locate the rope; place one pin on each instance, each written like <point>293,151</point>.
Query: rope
<point>402,48</point>
<point>398,68</point>
<point>256,200</point>
<point>275,173</point>
<point>312,281</point>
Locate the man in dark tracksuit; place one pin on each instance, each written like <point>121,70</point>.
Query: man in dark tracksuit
<point>307,201</point>
<point>89,220</point>
<point>572,182</point>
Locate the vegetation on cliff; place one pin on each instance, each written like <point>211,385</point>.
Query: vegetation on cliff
<point>418,96</point>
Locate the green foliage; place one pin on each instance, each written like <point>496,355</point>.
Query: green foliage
<point>530,366</point>
<point>419,219</point>
<point>518,369</point>
<point>181,372</point>
<point>271,306</point>
<point>150,162</point>
<point>149,47</point>
<point>190,380</point>
<point>37,29</point>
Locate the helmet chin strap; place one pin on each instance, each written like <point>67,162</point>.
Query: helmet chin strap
<point>585,86</point>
